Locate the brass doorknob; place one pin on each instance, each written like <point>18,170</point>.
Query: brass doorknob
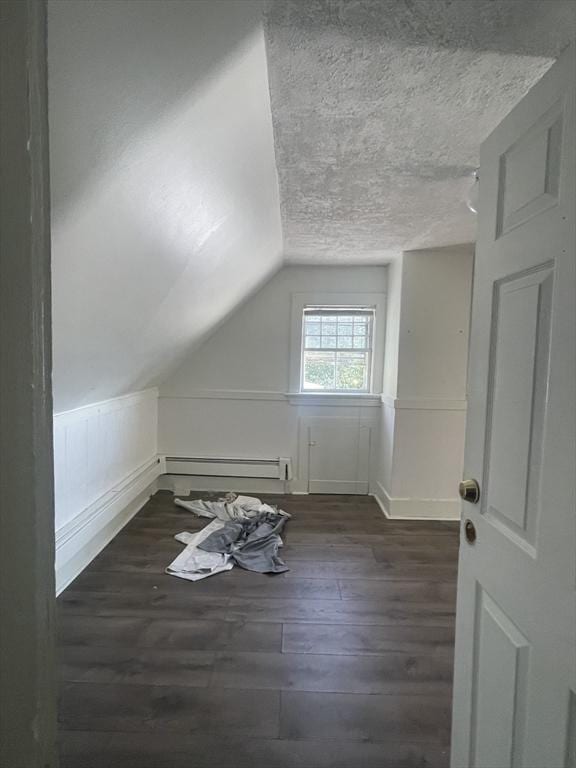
<point>469,491</point>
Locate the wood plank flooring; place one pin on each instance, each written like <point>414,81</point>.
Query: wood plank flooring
<point>344,662</point>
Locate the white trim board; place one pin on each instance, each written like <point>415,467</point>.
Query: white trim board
<point>423,403</point>
<point>332,398</point>
<point>293,398</point>
<point>82,538</point>
<point>227,394</point>
<point>416,509</point>
<point>106,406</point>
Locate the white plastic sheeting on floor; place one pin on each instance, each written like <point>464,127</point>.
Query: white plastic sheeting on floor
<point>243,531</point>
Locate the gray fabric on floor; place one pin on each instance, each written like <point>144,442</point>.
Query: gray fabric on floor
<point>244,532</point>
<point>252,544</point>
<point>230,507</point>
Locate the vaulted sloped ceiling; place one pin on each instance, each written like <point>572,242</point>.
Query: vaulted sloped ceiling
<point>165,210</point>
<point>380,107</point>
<point>165,202</point>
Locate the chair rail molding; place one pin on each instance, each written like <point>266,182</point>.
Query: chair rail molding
<point>423,403</point>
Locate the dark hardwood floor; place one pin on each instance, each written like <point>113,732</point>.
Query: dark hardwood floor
<point>344,662</point>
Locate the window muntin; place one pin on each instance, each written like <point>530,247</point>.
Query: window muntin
<point>336,349</point>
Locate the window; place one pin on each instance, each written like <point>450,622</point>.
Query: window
<point>336,349</point>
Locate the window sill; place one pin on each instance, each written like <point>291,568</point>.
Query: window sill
<point>362,399</point>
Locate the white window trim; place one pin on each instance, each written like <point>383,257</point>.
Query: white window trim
<point>302,300</point>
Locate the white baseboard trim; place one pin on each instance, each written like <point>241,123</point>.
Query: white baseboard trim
<point>380,496</point>
<point>416,509</point>
<point>82,538</point>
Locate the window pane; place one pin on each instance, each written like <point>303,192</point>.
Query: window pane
<point>336,350</point>
<point>319,370</point>
<point>313,328</point>
<point>313,341</point>
<point>351,371</point>
<point>329,328</point>
<point>329,342</point>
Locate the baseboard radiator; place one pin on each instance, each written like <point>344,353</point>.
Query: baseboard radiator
<point>275,469</point>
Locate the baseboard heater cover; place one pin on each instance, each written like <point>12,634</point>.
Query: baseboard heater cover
<point>276,469</point>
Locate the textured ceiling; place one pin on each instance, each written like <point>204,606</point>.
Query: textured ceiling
<point>379,110</point>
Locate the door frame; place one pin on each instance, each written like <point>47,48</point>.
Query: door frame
<point>27,589</point>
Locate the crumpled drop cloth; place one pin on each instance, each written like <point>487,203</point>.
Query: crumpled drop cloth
<point>252,544</point>
<point>194,563</point>
<point>245,532</point>
<point>230,507</point>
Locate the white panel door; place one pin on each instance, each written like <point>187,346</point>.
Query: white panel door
<point>515,664</point>
<point>338,456</point>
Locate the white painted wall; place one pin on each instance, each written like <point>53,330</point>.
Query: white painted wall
<point>105,466</point>
<point>435,319</point>
<point>393,311</point>
<point>424,403</point>
<point>385,451</point>
<point>228,398</point>
<point>252,350</point>
<point>165,211</point>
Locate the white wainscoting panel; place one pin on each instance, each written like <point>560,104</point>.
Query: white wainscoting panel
<point>252,427</point>
<point>105,466</point>
<point>422,447</point>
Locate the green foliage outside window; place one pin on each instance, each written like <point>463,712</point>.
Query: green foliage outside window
<point>319,373</point>
<point>351,375</point>
<point>324,374</point>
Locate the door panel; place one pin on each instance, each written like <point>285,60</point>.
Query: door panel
<point>529,171</point>
<point>501,659</point>
<point>339,456</point>
<point>515,661</point>
<point>516,392</point>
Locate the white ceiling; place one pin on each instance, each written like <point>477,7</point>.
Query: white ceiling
<point>379,109</point>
